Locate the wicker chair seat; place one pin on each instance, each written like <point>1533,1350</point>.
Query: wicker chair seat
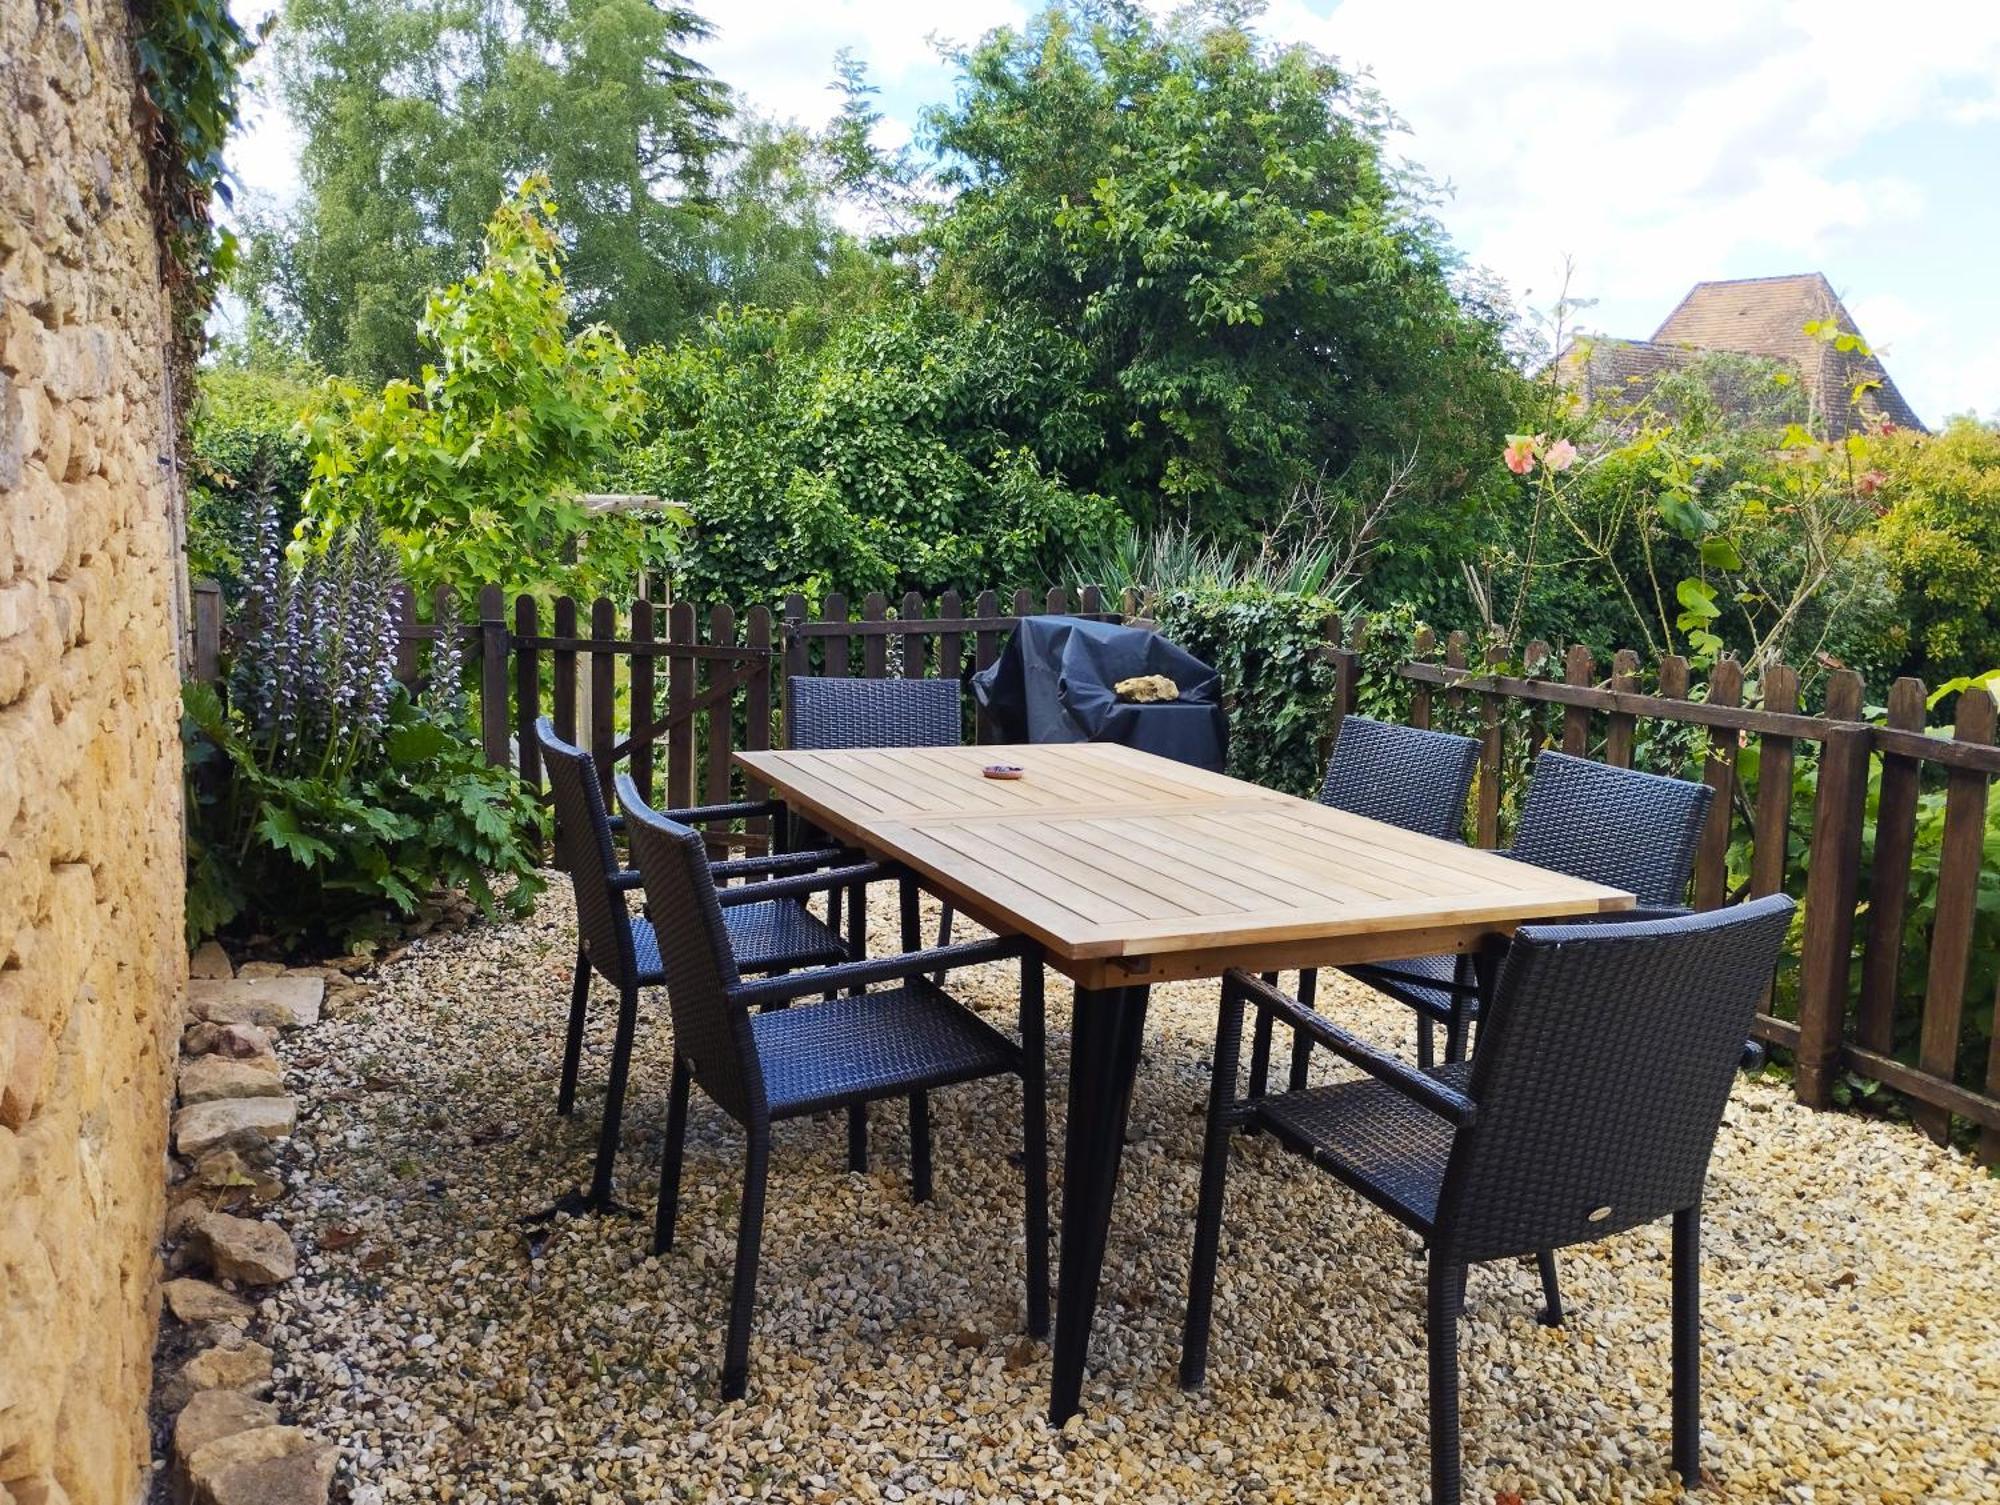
<point>1374,1138</point>
<point>1436,1002</point>
<point>909,1038</point>
<point>771,936</point>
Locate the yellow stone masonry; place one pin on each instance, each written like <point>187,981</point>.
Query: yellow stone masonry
<point>91,962</point>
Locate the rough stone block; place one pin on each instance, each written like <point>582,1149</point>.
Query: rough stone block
<point>209,1079</point>
<point>245,1249</point>
<point>232,1123</point>
<point>285,1002</point>
<point>214,1414</point>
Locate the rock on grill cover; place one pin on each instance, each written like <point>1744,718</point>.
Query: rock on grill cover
<point>1052,683</point>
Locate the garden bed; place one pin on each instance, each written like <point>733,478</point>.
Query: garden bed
<point>1852,1328</point>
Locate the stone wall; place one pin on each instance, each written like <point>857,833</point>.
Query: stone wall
<point>91,961</point>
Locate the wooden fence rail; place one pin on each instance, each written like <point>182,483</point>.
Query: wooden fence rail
<point>669,693</point>
<point>1848,976</point>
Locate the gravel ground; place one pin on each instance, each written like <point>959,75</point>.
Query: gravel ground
<point>1852,1318</point>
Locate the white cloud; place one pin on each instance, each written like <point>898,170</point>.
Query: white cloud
<point>1655,145</point>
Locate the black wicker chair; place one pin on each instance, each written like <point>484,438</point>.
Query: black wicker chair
<point>1630,830</point>
<point>902,1041</point>
<point>770,932</point>
<point>835,711</point>
<point>1591,1108</point>
<point>1403,775</point>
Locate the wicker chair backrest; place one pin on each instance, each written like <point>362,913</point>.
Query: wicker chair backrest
<point>1604,1063</point>
<point>1404,775</point>
<point>1635,831</point>
<point>832,712</point>
<point>711,1029</point>
<point>585,852</point>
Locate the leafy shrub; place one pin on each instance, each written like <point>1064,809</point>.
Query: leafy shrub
<point>321,797</point>
<point>913,449</point>
<point>1268,646</point>
<point>245,442</point>
<point>1941,535</point>
<point>474,473</point>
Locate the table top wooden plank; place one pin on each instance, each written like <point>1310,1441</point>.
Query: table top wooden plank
<point>1109,856</point>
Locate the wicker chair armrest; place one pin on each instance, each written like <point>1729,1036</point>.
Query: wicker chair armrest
<point>1367,973</point>
<point>1627,916</point>
<point>775,862</point>
<point>804,883</point>
<point>625,880</point>
<point>1425,1091</point>
<point>702,815</point>
<point>769,990</point>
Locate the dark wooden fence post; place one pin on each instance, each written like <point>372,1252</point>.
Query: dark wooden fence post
<point>1826,949</point>
<point>1420,693</point>
<point>1620,726</point>
<point>527,689</point>
<point>493,707</point>
<point>644,696</point>
<point>1771,842</point>
<point>757,709</point>
<point>1889,878</point>
<point>1579,668</point>
<point>1711,863</point>
<point>564,660</point>
<point>680,706</point>
<point>985,651</point>
<point>207,631</point>
<point>1960,854</point>
<point>604,694</point>
<point>1492,747</point>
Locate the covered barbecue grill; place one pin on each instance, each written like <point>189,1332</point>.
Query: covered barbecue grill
<point>1054,683</point>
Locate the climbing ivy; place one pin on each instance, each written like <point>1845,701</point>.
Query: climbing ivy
<point>191,55</point>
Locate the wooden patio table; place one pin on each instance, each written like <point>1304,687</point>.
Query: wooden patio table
<point>1129,870</point>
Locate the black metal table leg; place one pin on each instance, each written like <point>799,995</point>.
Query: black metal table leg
<point>1107,1027</point>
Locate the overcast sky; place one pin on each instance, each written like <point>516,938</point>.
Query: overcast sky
<point>1654,145</point>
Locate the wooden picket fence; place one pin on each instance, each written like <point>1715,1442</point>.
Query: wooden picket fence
<point>1847,984</point>
<point>670,693</point>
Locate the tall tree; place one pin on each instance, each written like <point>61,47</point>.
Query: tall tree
<point>420,115</point>
<point>1262,292</point>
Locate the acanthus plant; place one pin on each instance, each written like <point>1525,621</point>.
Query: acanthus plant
<point>322,795</point>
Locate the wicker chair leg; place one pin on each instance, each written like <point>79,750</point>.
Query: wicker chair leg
<point>1446,1293</point>
<point>944,938</point>
<point>1458,1026</point>
<point>857,1137</point>
<point>670,1159</point>
<point>920,1146</point>
<point>743,1293</point>
<point>1687,1345</point>
<point>1552,1296</point>
<point>857,948</point>
<point>857,928</point>
<point>1260,1056</point>
<point>614,1100</point>
<point>579,1002</point>
<point>1426,1042</point>
<point>1035,1142</point>
<point>1302,1045</point>
<point>1208,1209</point>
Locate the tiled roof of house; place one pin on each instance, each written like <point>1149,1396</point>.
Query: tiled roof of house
<point>1754,316</point>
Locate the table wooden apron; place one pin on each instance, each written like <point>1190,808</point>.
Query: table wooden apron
<point>1132,870</point>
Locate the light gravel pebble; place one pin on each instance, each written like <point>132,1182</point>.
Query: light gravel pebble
<point>1852,1318</point>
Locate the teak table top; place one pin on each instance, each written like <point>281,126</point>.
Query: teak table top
<point>1130,868</point>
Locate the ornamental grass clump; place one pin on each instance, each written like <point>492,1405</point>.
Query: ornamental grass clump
<point>324,799</point>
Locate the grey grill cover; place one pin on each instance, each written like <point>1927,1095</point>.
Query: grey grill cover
<point>1052,683</point>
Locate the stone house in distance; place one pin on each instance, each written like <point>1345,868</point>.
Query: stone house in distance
<point>1762,317</point>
